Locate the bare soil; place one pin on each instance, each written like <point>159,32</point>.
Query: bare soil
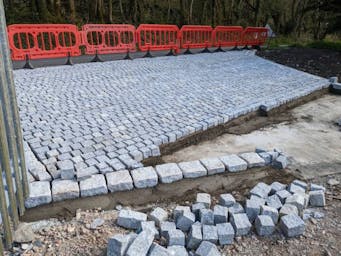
<point>321,62</point>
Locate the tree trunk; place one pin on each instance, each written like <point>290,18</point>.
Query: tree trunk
<point>72,10</point>
<point>43,11</point>
<point>190,12</point>
<point>122,12</point>
<point>100,8</point>
<point>57,6</point>
<point>110,17</point>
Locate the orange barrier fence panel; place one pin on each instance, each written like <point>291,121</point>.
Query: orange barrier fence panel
<point>225,36</point>
<point>255,36</point>
<point>38,41</point>
<point>155,37</point>
<point>193,36</point>
<point>108,38</point>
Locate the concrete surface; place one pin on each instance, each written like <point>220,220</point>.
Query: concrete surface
<point>311,139</point>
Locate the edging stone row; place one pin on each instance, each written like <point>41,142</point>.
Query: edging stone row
<point>44,192</point>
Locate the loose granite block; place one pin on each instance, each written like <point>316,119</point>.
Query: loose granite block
<point>297,200</point>
<point>118,244</point>
<point>220,214</point>
<point>314,187</point>
<point>236,208</point>
<point>119,181</point>
<point>213,165</point>
<point>292,225</point>
<point>207,249</point>
<point>185,221</point>
<point>270,211</point>
<point>150,225</point>
<point>175,237</point>
<point>158,215</point>
<point>281,162</point>
<point>206,217</point>
<point>193,169</point>
<point>168,173</point>
<point>274,201</point>
<point>317,198</point>
<point>264,225</point>
<point>266,157</point>
<point>210,233</point>
<point>204,198</point>
<point>253,159</point>
<point>157,250</point>
<point>194,236</point>
<point>227,200</point>
<point>144,177</point>
<point>234,163</point>
<point>179,210</point>
<point>261,190</point>
<point>95,185</point>
<point>283,195</point>
<point>276,187</point>
<point>141,244</point>
<point>241,224</point>
<point>288,209</point>
<point>252,209</point>
<point>130,219</point>
<point>301,184</point>
<point>177,250</point>
<point>40,193</point>
<point>225,233</point>
<point>165,226</point>
<point>196,209</point>
<point>64,189</point>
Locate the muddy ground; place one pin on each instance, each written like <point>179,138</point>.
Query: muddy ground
<point>321,62</point>
<point>308,134</point>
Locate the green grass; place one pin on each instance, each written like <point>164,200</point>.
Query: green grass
<point>332,45</point>
<point>284,42</point>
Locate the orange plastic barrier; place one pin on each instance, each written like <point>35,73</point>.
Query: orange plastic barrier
<point>154,37</point>
<point>38,41</point>
<point>107,38</point>
<point>196,36</point>
<point>254,36</point>
<point>225,36</point>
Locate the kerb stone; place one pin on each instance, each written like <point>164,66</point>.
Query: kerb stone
<point>234,163</point>
<point>213,165</point>
<point>95,185</point>
<point>119,181</point>
<point>253,159</point>
<point>40,193</point>
<point>193,169</point>
<point>141,244</point>
<point>292,225</point>
<point>64,189</point>
<point>225,233</point>
<point>168,173</point>
<point>144,177</point>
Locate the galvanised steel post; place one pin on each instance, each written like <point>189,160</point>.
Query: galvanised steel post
<point>12,118</point>
<point>5,216</point>
<point>4,150</point>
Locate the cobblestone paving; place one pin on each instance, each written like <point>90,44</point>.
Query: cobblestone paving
<point>104,117</point>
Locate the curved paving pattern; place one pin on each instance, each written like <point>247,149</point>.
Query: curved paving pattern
<point>104,117</point>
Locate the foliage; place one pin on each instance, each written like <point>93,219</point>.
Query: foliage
<point>289,18</point>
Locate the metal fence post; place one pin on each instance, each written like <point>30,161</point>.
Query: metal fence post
<point>12,118</point>
<point>12,161</point>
